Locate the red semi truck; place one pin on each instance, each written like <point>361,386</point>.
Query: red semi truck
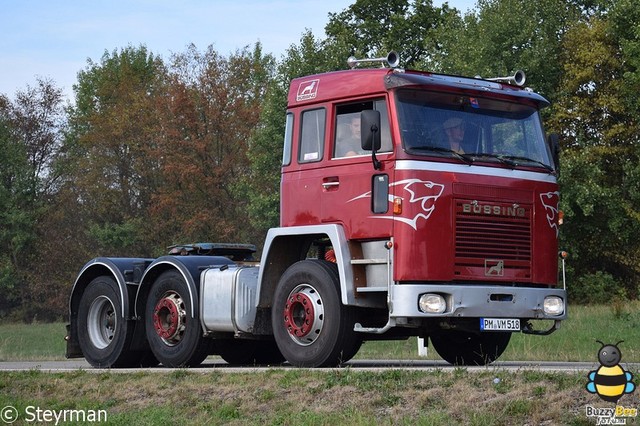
<point>412,204</point>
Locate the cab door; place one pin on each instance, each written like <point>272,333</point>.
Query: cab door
<point>353,192</point>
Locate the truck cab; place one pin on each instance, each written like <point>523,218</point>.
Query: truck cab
<point>452,217</point>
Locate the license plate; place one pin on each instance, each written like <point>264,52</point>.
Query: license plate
<point>499,324</point>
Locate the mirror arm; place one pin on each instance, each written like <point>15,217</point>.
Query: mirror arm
<point>376,163</point>
<point>370,135</point>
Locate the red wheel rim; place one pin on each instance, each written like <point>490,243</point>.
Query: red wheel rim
<point>169,318</point>
<point>303,315</point>
<point>299,314</point>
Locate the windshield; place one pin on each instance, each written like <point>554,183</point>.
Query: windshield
<point>472,129</point>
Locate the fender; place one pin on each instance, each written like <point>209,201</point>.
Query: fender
<point>190,267</point>
<point>120,269</point>
<point>282,249</point>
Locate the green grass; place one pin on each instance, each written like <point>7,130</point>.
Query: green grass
<point>32,342</point>
<point>575,341</point>
<point>310,397</point>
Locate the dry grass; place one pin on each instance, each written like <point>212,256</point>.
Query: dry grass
<point>329,397</point>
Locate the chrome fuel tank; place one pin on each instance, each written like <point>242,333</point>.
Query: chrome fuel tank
<point>228,298</point>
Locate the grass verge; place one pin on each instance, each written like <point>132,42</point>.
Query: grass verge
<point>32,342</point>
<point>342,396</point>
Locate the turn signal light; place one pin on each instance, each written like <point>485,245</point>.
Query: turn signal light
<point>397,205</point>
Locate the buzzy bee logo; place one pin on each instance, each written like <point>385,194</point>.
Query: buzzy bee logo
<point>610,382</point>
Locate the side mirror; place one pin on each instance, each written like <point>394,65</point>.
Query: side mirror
<point>370,128</point>
<point>554,145</point>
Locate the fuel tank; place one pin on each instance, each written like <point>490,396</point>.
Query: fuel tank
<point>228,298</point>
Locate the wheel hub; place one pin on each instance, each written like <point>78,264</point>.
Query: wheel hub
<point>169,318</point>
<point>304,315</point>
<point>102,322</point>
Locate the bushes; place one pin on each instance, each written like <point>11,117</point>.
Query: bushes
<point>599,287</point>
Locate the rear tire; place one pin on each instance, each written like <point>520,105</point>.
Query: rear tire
<point>310,325</point>
<point>175,338</point>
<point>103,334</point>
<point>467,348</point>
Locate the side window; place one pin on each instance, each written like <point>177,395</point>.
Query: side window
<point>288,140</point>
<point>347,135</point>
<point>347,130</point>
<point>312,136</point>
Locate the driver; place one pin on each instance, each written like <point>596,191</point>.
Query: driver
<point>454,129</point>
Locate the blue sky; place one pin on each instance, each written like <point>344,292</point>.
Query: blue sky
<point>54,38</point>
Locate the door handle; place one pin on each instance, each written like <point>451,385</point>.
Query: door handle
<point>330,183</point>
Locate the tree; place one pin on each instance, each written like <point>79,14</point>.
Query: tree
<point>597,116</point>
<point>372,28</point>
<point>209,116</point>
<point>31,129</point>
<point>16,223</point>
<point>589,109</point>
<point>507,35</point>
<point>624,19</point>
<point>38,121</point>
<point>112,129</point>
<point>262,185</point>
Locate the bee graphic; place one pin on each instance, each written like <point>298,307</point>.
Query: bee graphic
<point>610,381</point>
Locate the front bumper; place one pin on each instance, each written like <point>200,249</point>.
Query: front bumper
<point>470,301</point>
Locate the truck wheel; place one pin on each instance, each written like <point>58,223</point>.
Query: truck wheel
<point>103,334</point>
<point>174,337</point>
<point>310,325</point>
<point>248,352</point>
<point>466,348</point>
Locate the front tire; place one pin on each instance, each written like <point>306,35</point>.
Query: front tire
<point>310,325</point>
<point>467,348</point>
<point>174,336</point>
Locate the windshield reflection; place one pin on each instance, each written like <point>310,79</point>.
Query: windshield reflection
<point>472,129</point>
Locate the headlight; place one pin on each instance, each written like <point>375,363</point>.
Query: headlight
<point>553,305</point>
<point>432,303</point>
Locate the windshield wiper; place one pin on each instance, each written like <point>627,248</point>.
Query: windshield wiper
<point>462,157</point>
<point>515,159</point>
<point>511,160</point>
<point>500,158</point>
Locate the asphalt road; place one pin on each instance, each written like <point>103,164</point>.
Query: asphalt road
<point>213,364</point>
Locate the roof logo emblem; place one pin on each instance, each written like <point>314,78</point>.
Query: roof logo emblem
<point>307,90</point>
